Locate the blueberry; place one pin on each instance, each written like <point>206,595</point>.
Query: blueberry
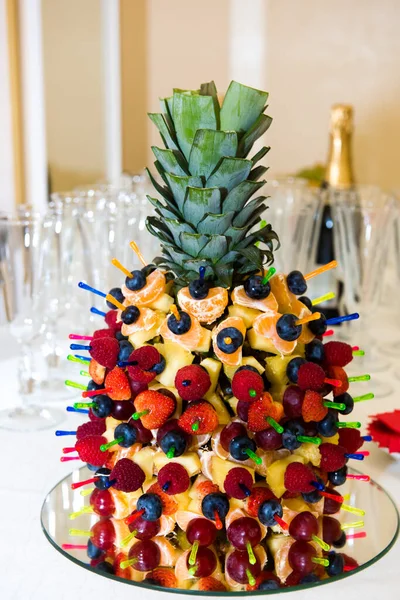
<point>182,326</point>
<point>229,340</point>
<point>295,426</point>
<point>174,439</point>
<point>136,282</point>
<point>92,550</point>
<point>215,502</point>
<point>91,467</point>
<point>327,427</point>
<point>130,315</point>
<point>287,329</point>
<point>338,477</point>
<point>247,368</point>
<point>292,369</point>
<point>103,476</point>
<point>199,289</point>
<point>239,445</point>
<point>336,564</point>
<point>92,385</point>
<point>341,541</point>
<point>268,584</point>
<point>120,336</point>
<point>268,510</point>
<point>159,367</point>
<point>314,351</point>
<point>318,327</point>
<point>306,301</point>
<point>127,432</point>
<point>311,497</point>
<point>125,350</point>
<point>348,401</point>
<point>152,506</point>
<point>148,269</point>
<point>118,295</point>
<point>256,289</point>
<point>290,441</point>
<point>103,406</point>
<point>310,578</point>
<point>296,283</point>
<point>105,566</point>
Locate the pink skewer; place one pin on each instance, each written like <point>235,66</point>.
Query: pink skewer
<point>67,450</point>
<point>66,458</point>
<point>328,332</point>
<point>74,547</point>
<point>363,452</point>
<point>359,477</point>
<point>74,336</point>
<point>356,536</point>
<point>90,393</point>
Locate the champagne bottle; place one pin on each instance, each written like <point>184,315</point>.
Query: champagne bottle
<point>338,177</point>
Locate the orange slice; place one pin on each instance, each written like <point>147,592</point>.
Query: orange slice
<point>146,320</point>
<point>155,286</point>
<point>208,309</point>
<point>283,295</point>
<point>265,325</point>
<point>268,304</point>
<point>235,358</point>
<point>189,340</point>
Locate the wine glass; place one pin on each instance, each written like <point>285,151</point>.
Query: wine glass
<point>21,322</point>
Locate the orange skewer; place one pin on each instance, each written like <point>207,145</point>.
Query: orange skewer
<point>140,256</point>
<point>121,267</point>
<point>308,318</point>
<point>327,267</point>
<point>175,312</point>
<point>115,302</point>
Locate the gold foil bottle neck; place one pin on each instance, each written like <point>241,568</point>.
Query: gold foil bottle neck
<point>341,118</point>
<point>339,171</point>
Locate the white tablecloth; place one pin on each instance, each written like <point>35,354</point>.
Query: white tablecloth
<point>31,569</point>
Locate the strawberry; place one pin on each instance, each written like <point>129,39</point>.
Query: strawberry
<point>97,372</point>
<point>332,457</point>
<point>257,497</point>
<point>128,475</point>
<point>211,584</point>
<point>89,451</point>
<point>260,409</point>
<point>350,439</point>
<point>102,333</point>
<point>111,320</point>
<point>118,382</point>
<point>97,427</point>
<point>173,479</point>
<point>340,374</point>
<point>162,576</point>
<point>170,506</point>
<point>204,488</point>
<point>337,354</point>
<point>105,351</point>
<point>199,418</point>
<point>247,385</point>
<point>192,382</point>
<point>298,478</point>
<point>238,483</point>
<point>159,407</point>
<point>313,408</point>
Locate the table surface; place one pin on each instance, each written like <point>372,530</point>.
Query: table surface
<point>31,569</point>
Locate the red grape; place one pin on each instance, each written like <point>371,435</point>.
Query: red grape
<point>300,557</point>
<point>145,530</point>
<point>102,502</point>
<point>242,409</point>
<point>331,529</point>
<point>205,564</point>
<point>303,526</point>
<point>231,431</point>
<point>122,410</point>
<point>202,531</point>
<point>103,534</point>
<point>243,531</point>
<point>147,555</point>
<point>293,401</point>
<point>331,506</point>
<point>144,435</point>
<point>268,439</point>
<point>238,564</point>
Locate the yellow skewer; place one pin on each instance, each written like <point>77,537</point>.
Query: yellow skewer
<point>125,271</point>
<point>331,265</point>
<point>140,256</point>
<point>308,318</point>
<point>115,302</point>
<point>323,298</point>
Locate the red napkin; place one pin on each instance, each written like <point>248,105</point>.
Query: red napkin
<point>385,430</point>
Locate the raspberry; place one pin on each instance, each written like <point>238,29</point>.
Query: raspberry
<point>89,451</point>
<point>350,439</point>
<point>210,584</point>
<point>169,505</point>
<point>311,377</point>
<point>192,382</point>
<point>111,320</point>
<point>313,408</point>
<point>96,427</point>
<point>97,372</point>
<point>173,479</point>
<point>129,476</point>
<point>257,497</point>
<point>119,384</point>
<point>337,354</point>
<point>93,417</point>
<point>146,357</point>
<point>105,351</point>
<point>238,483</point>
<point>340,374</point>
<point>162,576</point>
<point>159,407</point>
<point>332,457</point>
<point>199,418</point>
<point>298,478</point>
<point>103,333</point>
<point>260,409</point>
<point>247,385</point>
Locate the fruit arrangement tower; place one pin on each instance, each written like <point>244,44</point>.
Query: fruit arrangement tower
<point>214,431</point>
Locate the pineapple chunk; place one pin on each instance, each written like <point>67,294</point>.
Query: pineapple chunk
<point>176,357</point>
<point>275,368</point>
<point>233,402</point>
<point>139,338</point>
<point>259,342</point>
<point>296,504</point>
<point>310,452</point>
<point>205,341</point>
<point>145,459</point>
<point>189,460</point>
<point>220,469</point>
<point>247,314</point>
<point>331,440</point>
<point>277,392</point>
<point>213,368</point>
<point>276,473</point>
<point>163,303</point>
<point>222,412</point>
<point>183,500</point>
<point>246,360</point>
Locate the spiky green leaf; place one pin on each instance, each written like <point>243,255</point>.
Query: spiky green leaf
<point>249,212</point>
<point>210,89</point>
<point>241,107</point>
<point>215,224</point>
<point>177,227</point>
<point>170,160</point>
<point>168,136</point>
<point>162,210</point>
<point>239,195</point>
<point>229,173</point>
<point>162,190</point>
<point>179,186</point>
<point>199,202</point>
<point>258,172</point>
<point>209,147</point>
<point>192,243</point>
<point>215,248</point>
<point>256,130</point>
<point>260,154</point>
<point>190,113</point>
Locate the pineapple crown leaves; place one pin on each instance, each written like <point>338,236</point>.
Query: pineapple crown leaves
<point>205,215</point>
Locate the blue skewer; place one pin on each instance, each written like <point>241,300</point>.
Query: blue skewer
<point>336,320</point>
<point>96,311</point>
<point>59,432</point>
<point>89,288</point>
<point>80,347</point>
<point>77,410</point>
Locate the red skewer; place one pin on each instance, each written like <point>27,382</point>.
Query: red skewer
<point>90,393</point>
<point>79,484</point>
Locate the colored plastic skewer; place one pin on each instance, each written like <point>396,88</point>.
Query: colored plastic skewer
<point>278,428</point>
<point>369,396</point>
<point>175,312</point>
<point>193,553</point>
<point>250,552</point>
<point>324,298</point>
<point>78,484</point>
<point>68,458</point>
<point>136,514</point>
<point>77,410</point>
<point>96,311</point>
<point>105,447</point>
<point>171,452</point>
<point>82,511</point>
<point>80,533</point>
<point>282,524</point>
<point>75,336</point>
<point>353,509</point>
<point>128,563</point>
<point>138,415</point>
<point>321,543</point>
<point>304,439</point>
<point>271,271</point>
<point>308,319</point>
<point>218,523</point>
<point>342,319</point>
<point>67,450</point>
<point>136,250</point>
<point>80,347</point>
<point>348,424</point>
<point>353,525</point>
<point>82,360</point>
<point>74,546</point>
<point>84,373</point>
<point>60,432</point>
<point>336,405</point>
<point>121,267</point>
<point>359,378</point>
<point>320,561</point>
<point>358,353</point>
<point>327,267</point>
<point>128,538</point>
<point>328,333</point>
<point>358,477</point>
<point>87,492</point>
<point>89,288</point>
<point>250,578</point>
<point>357,535</point>
<point>115,302</point>
<point>253,456</point>
<point>73,384</point>
<point>90,393</point>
